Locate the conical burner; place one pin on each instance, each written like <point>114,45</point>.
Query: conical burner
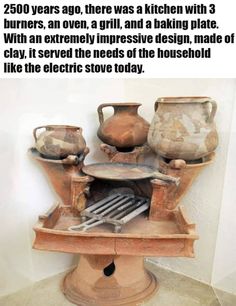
<point>187,172</point>
<point>62,172</point>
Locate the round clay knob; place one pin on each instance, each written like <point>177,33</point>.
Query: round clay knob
<point>71,160</point>
<point>177,164</point>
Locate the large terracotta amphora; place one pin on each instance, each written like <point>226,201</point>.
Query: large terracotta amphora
<point>183,127</point>
<point>125,129</point>
<point>58,141</point>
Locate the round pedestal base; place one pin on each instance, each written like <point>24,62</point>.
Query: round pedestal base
<point>109,281</point>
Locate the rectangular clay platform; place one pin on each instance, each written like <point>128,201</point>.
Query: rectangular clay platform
<point>172,236</point>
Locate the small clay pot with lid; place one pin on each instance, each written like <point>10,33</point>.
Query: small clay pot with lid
<point>125,128</point>
<point>59,141</point>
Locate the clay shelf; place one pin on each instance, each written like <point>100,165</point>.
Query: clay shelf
<point>173,235</point>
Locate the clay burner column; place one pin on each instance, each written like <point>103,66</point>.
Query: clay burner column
<point>80,190</point>
<point>107,280</point>
<point>65,176</point>
<point>158,202</point>
<point>187,172</point>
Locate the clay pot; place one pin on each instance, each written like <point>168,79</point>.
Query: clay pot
<point>125,129</point>
<point>59,141</point>
<point>183,127</point>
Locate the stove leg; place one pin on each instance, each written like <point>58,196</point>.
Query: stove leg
<point>118,228</point>
<point>106,280</point>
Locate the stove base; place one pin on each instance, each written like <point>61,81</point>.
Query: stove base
<point>109,281</point>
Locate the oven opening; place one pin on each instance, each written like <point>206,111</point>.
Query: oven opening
<point>110,269</point>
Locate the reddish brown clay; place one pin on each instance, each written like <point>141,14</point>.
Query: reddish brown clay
<point>125,128</point>
<point>61,173</point>
<point>59,141</point>
<point>187,174</point>
<point>80,189</point>
<point>158,202</point>
<point>111,269</point>
<point>135,156</point>
<point>109,280</point>
<point>170,235</point>
<point>115,156</point>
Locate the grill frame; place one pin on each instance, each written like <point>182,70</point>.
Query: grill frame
<point>116,209</point>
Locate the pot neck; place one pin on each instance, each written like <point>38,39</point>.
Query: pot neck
<point>62,128</point>
<point>131,108</point>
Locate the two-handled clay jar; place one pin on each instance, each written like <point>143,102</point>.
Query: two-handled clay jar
<point>183,127</point>
<point>125,129</point>
<point>59,141</point>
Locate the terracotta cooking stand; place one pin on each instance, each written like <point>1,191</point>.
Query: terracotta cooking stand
<point>116,156</point>
<point>111,267</point>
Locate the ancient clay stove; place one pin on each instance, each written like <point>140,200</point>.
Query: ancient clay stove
<point>111,267</point>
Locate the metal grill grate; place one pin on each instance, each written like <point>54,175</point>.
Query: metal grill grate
<point>116,209</point>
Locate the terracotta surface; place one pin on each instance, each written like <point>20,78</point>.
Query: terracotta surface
<point>186,172</point>
<point>158,202</point>
<point>134,156</point>
<point>173,235</point>
<point>80,190</point>
<point>183,127</point>
<point>111,270</point>
<point>62,174</point>
<point>137,155</point>
<point>57,141</point>
<point>109,280</point>
<point>125,128</point>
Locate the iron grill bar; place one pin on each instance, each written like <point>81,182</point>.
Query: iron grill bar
<point>116,209</point>
<point>111,208</point>
<point>122,214</point>
<point>110,204</point>
<point>131,206</point>
<point>134,213</point>
<point>101,202</point>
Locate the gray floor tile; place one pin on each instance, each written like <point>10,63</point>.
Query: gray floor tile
<point>175,290</point>
<point>225,298</point>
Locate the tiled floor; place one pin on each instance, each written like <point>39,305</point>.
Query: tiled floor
<point>175,290</point>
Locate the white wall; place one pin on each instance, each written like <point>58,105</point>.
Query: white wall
<point>24,190</point>
<point>224,270</point>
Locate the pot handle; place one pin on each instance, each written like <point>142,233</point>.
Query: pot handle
<point>156,105</point>
<point>167,178</point>
<point>100,112</point>
<point>213,110</point>
<point>38,128</point>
